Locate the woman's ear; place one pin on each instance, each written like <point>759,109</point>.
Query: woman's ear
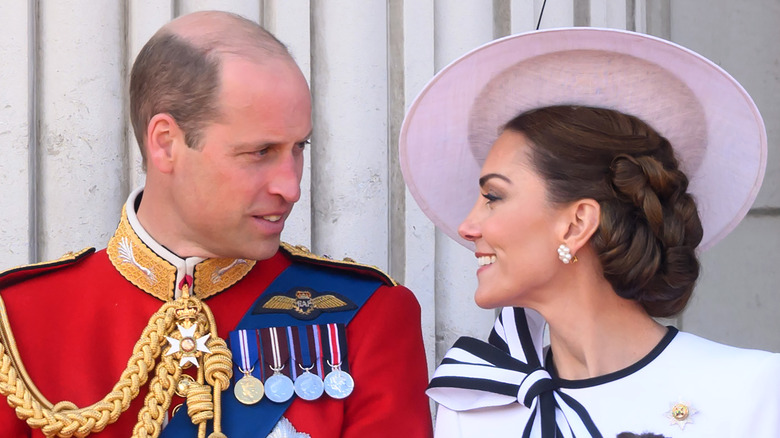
<point>583,220</point>
<point>162,134</point>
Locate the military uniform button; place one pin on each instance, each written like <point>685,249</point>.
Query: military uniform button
<point>184,385</point>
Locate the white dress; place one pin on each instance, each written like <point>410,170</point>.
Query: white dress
<point>717,391</point>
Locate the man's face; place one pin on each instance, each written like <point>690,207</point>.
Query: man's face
<point>233,194</point>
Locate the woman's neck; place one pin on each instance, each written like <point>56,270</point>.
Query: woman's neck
<point>597,332</point>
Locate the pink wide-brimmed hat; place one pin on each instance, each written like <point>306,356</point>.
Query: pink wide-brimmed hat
<point>712,123</point>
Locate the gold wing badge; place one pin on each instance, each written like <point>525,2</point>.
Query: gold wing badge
<point>303,303</point>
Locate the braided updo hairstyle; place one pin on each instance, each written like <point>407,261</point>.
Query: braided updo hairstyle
<point>649,226</point>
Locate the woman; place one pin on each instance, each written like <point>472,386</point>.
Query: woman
<point>608,159</point>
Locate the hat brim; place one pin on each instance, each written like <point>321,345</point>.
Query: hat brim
<point>710,120</point>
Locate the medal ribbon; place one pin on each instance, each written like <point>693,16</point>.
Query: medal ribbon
<point>476,374</point>
<point>294,354</point>
<point>306,357</point>
<point>317,336</point>
<point>243,344</point>
<point>275,348</point>
<point>335,332</point>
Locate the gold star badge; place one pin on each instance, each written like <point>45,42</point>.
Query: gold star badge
<point>680,414</point>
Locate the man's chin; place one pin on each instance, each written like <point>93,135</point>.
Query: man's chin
<point>257,250</point>
<point>264,250</point>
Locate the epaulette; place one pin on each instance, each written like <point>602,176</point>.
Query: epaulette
<point>24,272</point>
<point>301,253</point>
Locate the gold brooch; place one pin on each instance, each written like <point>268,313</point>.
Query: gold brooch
<point>680,414</point>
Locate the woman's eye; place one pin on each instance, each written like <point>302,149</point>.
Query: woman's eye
<point>490,197</point>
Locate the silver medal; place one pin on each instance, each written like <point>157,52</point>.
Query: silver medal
<point>279,388</point>
<point>309,386</point>
<point>339,384</point>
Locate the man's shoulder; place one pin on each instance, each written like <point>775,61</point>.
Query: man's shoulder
<point>23,273</point>
<point>348,266</point>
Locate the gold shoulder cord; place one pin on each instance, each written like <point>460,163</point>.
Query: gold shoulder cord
<point>187,324</point>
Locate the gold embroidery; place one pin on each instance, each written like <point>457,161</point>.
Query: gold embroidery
<point>303,303</point>
<point>139,264</point>
<point>215,275</point>
<point>157,277</point>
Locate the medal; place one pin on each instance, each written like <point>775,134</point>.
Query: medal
<point>338,384</point>
<point>278,388</point>
<point>249,389</point>
<point>308,386</point>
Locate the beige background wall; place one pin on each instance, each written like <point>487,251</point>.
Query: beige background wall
<point>69,160</point>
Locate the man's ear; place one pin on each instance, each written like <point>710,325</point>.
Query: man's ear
<point>162,134</point>
<point>583,217</point>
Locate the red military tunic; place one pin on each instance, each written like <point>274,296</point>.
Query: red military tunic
<point>75,327</point>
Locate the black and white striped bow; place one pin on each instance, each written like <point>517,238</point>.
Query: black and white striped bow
<point>477,374</point>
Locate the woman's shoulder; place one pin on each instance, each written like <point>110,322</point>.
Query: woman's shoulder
<point>747,381</point>
<point>698,349</point>
<point>741,370</point>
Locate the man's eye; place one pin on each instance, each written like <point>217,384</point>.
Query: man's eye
<point>303,144</point>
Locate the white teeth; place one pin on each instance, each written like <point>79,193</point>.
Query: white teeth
<point>272,218</point>
<point>486,260</point>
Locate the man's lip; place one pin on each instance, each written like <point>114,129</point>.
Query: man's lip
<point>282,214</point>
<point>265,217</point>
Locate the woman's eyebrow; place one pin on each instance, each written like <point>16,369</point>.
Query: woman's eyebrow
<point>484,179</point>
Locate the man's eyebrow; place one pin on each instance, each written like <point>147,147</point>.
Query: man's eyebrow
<point>483,180</point>
<point>261,144</point>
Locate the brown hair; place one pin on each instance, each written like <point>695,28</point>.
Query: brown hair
<point>649,226</point>
<point>178,70</point>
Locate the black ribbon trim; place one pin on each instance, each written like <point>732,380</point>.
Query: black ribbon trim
<point>543,391</point>
<point>476,384</point>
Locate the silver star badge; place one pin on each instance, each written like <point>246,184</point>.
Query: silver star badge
<point>285,429</point>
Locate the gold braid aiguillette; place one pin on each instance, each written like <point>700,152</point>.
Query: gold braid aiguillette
<point>186,321</point>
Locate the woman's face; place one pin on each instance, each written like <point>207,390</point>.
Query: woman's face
<point>515,229</point>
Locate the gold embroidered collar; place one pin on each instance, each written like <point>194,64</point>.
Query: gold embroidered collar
<point>160,276</point>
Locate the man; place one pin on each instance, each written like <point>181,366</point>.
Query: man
<point>193,302</point>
